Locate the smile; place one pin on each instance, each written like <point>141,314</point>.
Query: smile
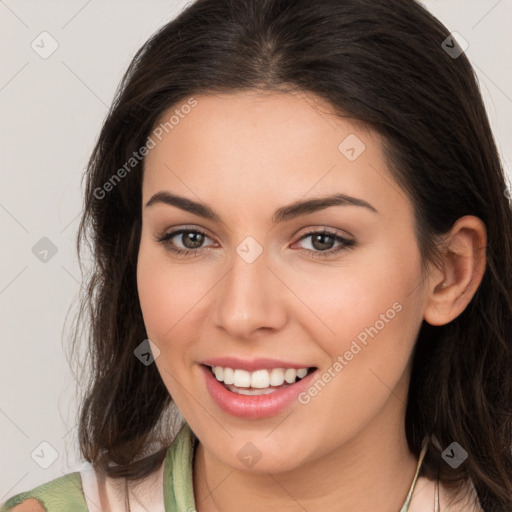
<point>256,394</point>
<point>259,382</point>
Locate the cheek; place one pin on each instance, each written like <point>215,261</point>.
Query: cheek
<point>163,293</point>
<point>167,299</point>
<point>375,319</point>
<point>368,314</point>
<point>171,297</point>
<point>374,292</point>
<point>155,297</point>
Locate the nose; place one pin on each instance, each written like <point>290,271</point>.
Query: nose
<point>250,299</point>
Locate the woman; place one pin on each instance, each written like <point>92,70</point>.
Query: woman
<point>303,247</point>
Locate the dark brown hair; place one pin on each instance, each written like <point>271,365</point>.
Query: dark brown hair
<point>383,64</point>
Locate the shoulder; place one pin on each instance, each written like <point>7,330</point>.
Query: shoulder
<point>30,505</point>
<point>59,495</point>
<point>81,491</point>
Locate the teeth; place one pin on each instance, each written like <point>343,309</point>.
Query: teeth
<point>302,372</point>
<point>289,375</point>
<point>242,379</point>
<point>259,379</point>
<point>219,373</point>
<point>276,377</point>
<point>251,391</point>
<point>229,376</point>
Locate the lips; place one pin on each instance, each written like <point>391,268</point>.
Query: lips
<point>247,405</point>
<point>253,365</point>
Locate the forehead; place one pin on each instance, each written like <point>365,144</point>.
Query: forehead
<point>276,146</point>
<point>247,121</point>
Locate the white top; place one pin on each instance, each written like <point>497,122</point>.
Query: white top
<point>106,495</point>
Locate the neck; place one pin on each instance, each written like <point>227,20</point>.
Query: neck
<point>371,471</point>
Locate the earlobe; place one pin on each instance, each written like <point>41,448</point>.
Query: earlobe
<point>451,288</point>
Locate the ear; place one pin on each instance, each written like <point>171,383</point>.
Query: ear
<point>451,288</point>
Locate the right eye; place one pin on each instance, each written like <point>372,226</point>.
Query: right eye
<point>190,239</point>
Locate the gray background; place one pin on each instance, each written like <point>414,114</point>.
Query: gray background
<point>51,113</point>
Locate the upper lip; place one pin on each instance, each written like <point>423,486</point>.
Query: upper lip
<point>252,365</point>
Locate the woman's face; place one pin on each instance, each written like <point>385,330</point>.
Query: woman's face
<point>261,288</point>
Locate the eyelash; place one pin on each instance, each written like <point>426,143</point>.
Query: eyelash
<point>345,243</point>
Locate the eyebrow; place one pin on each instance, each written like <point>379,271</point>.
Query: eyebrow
<point>282,214</point>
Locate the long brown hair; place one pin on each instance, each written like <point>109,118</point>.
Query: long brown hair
<point>385,65</point>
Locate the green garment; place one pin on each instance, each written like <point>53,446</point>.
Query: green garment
<point>65,494</point>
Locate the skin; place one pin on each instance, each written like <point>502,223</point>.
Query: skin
<point>245,155</point>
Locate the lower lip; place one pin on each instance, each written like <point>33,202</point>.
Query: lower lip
<point>254,406</point>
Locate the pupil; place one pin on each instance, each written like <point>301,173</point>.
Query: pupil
<point>195,243</point>
<point>323,244</point>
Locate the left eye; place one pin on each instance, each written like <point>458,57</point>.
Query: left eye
<point>322,242</point>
